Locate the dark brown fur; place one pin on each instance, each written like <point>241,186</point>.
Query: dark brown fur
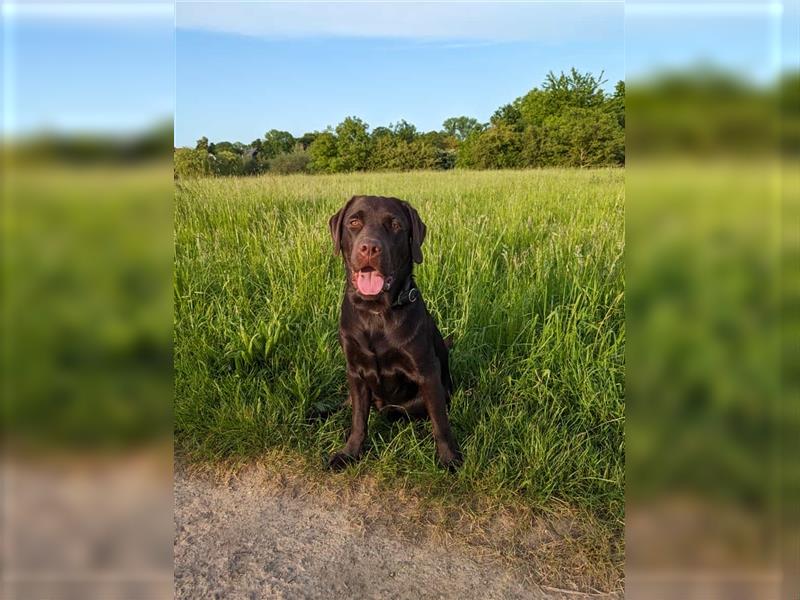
<point>397,360</point>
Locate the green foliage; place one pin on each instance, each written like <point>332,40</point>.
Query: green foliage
<point>232,147</point>
<point>290,162</point>
<point>461,127</point>
<point>225,163</point>
<point>509,116</point>
<point>275,143</point>
<point>155,143</point>
<point>707,112</point>
<point>404,131</point>
<point>190,163</point>
<point>391,153</point>
<point>353,145</point>
<point>581,137</point>
<point>570,121</point>
<point>306,140</point>
<point>617,103</point>
<point>324,153</point>
<point>499,147</point>
<point>380,132</point>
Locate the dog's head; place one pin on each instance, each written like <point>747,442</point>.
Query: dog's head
<point>380,239</point>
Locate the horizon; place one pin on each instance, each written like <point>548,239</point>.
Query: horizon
<point>134,84</point>
<point>305,67</point>
<point>608,88</point>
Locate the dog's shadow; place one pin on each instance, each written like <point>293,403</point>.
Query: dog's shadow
<point>319,413</point>
<point>382,424</point>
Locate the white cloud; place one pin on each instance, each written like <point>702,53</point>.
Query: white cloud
<point>532,21</point>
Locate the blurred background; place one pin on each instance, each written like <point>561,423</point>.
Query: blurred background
<point>713,133</point>
<point>713,136</point>
<point>87,100</point>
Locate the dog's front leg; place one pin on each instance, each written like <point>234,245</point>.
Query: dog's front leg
<point>354,446</point>
<point>434,396</point>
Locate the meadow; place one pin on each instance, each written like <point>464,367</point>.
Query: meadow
<point>525,269</point>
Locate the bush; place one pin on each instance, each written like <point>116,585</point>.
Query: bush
<point>581,138</point>
<point>287,163</point>
<point>323,152</point>
<point>190,163</point>
<point>499,147</point>
<point>226,162</point>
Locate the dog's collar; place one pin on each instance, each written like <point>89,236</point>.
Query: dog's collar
<point>408,295</point>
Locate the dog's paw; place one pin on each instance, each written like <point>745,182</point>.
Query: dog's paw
<point>338,461</point>
<point>450,459</point>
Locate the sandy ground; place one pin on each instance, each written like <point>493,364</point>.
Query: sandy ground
<point>242,539</point>
<point>87,527</point>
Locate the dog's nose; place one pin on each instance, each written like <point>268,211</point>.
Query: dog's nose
<point>369,248</point>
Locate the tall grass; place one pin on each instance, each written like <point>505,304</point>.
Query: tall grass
<point>524,268</point>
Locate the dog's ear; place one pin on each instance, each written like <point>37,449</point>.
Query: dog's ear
<point>335,224</point>
<point>418,230</point>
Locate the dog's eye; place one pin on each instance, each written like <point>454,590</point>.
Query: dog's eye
<point>396,226</point>
<point>355,223</point>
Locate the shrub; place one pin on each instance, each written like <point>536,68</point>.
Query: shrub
<point>226,162</point>
<point>190,163</point>
<point>324,152</point>
<point>498,147</point>
<point>291,162</point>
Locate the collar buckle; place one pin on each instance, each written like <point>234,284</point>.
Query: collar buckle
<point>408,296</point>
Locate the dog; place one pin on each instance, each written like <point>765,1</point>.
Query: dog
<point>397,360</point>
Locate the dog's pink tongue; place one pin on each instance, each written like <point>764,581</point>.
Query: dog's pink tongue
<point>369,283</point>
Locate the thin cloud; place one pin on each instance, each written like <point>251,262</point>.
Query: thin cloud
<point>549,22</point>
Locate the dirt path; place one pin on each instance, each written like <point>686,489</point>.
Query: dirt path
<point>240,539</point>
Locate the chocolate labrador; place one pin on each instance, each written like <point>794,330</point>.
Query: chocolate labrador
<point>397,361</point>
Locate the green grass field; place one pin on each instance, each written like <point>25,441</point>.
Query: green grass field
<point>524,268</point>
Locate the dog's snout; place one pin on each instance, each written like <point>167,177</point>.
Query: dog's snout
<point>369,248</point>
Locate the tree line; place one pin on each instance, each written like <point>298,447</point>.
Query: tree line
<point>569,121</point>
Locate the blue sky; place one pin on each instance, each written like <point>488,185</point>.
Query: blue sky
<point>233,70</point>
<point>87,70</point>
<point>304,67</point>
<point>744,36</point>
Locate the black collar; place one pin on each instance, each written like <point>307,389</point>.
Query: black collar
<point>408,295</point>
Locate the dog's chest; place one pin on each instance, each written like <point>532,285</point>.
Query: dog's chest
<point>386,366</point>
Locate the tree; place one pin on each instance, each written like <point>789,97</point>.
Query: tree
<point>225,146</point>
<point>251,161</point>
<point>226,163</point>
<point>190,162</point>
<point>276,142</point>
<point>296,161</point>
<point>582,137</point>
<point>404,130</point>
<point>461,127</point>
<point>307,139</point>
<point>324,153</point>
<point>618,103</point>
<point>353,145</point>
<point>380,132</point>
<point>570,120</point>
<point>576,89</point>
<point>509,116</point>
<point>560,93</point>
<point>498,147</point>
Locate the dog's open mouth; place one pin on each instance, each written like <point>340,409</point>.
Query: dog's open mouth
<point>370,282</point>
